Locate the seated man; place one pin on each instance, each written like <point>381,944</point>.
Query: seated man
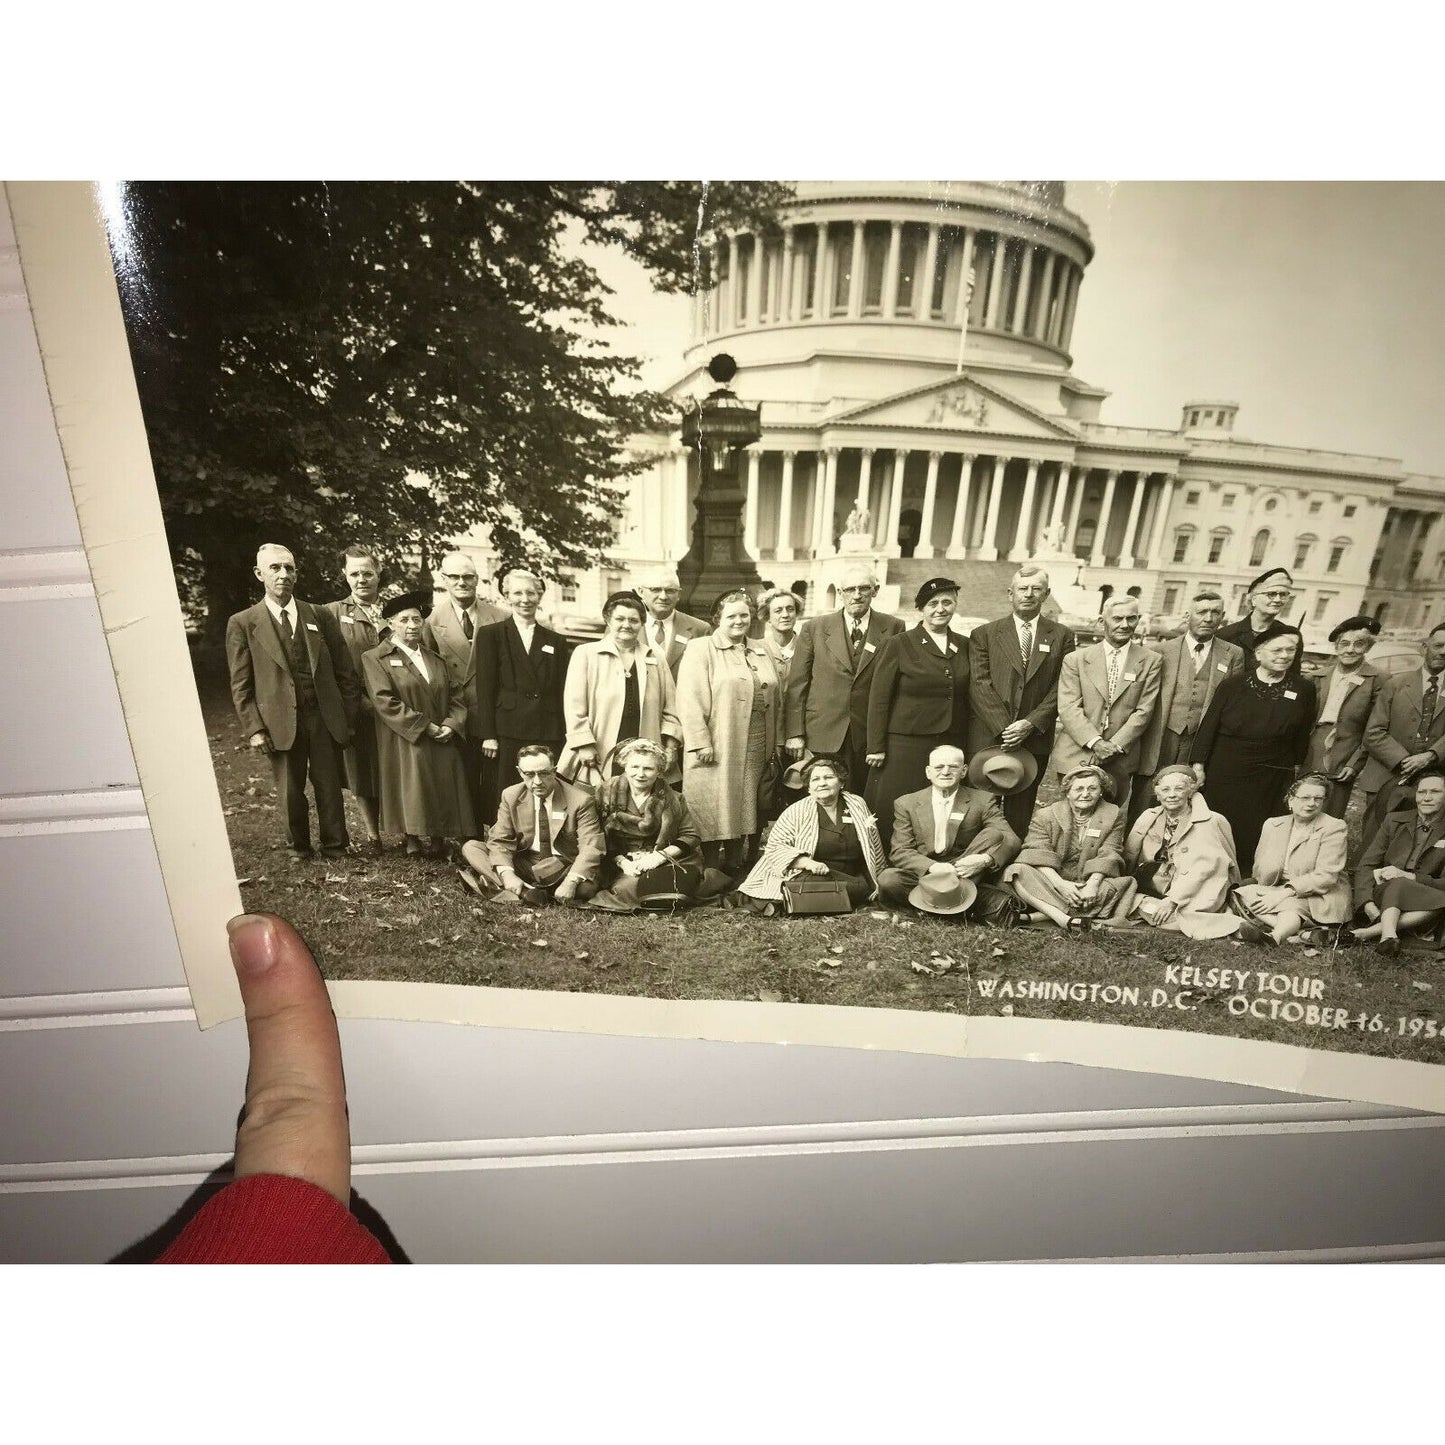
<point>951,832</point>
<point>1400,881</point>
<point>547,841</point>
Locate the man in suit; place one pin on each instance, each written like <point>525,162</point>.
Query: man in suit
<point>1014,665</point>
<point>362,628</point>
<point>947,828</point>
<point>826,702</point>
<point>1108,693</point>
<point>1406,731</point>
<point>519,668</point>
<point>1193,665</point>
<point>1346,691</point>
<point>546,844</point>
<point>296,694</point>
<point>450,630</point>
<point>667,631</point>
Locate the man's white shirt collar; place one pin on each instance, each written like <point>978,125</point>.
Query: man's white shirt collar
<point>289,609</point>
<point>863,622</point>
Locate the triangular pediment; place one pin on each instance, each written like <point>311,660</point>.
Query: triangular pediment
<point>962,403</point>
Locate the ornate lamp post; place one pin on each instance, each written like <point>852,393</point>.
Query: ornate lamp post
<point>717,430</point>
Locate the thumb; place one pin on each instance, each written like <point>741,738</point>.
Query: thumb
<point>295,1119</point>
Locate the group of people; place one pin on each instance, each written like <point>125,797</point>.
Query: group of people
<point>753,758</point>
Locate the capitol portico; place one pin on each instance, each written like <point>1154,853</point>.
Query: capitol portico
<point>908,346</point>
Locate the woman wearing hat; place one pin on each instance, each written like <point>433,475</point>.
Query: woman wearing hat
<point>1182,857</point>
<point>1253,739</point>
<point>1071,868</point>
<point>651,836</point>
<point>727,698</point>
<point>1346,692</point>
<point>420,715</point>
<point>1268,596</point>
<point>1300,873</point>
<point>828,834</point>
<point>618,687</point>
<point>918,700</point>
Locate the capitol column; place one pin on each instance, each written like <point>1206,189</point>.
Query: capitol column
<point>1041,322</point>
<point>735,301</point>
<point>1161,521</point>
<point>865,478</point>
<point>1021,296</point>
<point>755,282</point>
<point>989,551</point>
<point>1061,492</point>
<point>783,552</point>
<point>750,510</point>
<point>1071,536</point>
<point>1066,331</point>
<point>825,505</point>
<point>957,542</point>
<point>1101,531</point>
<point>855,274</point>
<point>924,309</point>
<point>895,505</point>
<point>995,281</point>
<point>930,502</point>
<point>965,265</point>
<point>785,288</point>
<point>1126,553</point>
<point>820,291</point>
<point>1020,552</point>
<point>890,271</point>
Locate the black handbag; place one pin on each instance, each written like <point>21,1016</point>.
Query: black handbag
<point>815,895</point>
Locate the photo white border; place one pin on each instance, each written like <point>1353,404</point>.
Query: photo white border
<point>69,275</point>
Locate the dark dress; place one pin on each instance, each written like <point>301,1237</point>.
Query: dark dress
<point>841,849</point>
<point>1241,634</point>
<point>363,772</point>
<point>1252,739</point>
<point>918,700</point>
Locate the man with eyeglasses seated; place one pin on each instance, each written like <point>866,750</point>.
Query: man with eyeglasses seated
<point>826,703</point>
<point>449,631</point>
<point>547,843</point>
<point>1268,596</point>
<point>666,631</point>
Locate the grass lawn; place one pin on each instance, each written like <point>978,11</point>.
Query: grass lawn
<point>397,918</point>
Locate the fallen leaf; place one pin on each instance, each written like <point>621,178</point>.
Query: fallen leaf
<point>342,898</point>
<point>871,966</point>
<point>384,927</point>
<point>1312,953</point>
<point>881,917</point>
<point>605,963</point>
<point>432,942</point>
<point>998,951</point>
<point>539,943</point>
<point>1007,1010</point>
<point>241,882</point>
<point>336,878</point>
<point>1423,987</point>
<point>920,967</point>
<point>583,955</point>
<point>836,948</point>
<point>769,995</point>
<point>410,919</point>
<point>826,963</point>
<point>456,938</point>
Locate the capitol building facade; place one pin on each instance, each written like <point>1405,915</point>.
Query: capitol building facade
<point>908,346</point>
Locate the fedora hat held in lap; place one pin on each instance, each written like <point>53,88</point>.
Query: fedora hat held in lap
<point>943,893</point>
<point>1003,771</point>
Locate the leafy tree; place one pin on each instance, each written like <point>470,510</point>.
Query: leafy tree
<point>395,363</point>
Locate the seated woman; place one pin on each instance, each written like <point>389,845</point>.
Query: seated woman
<point>1300,873</point>
<point>1072,862</point>
<point>1402,873</point>
<point>649,828</point>
<point>1182,857</point>
<point>828,834</point>
<point>420,714</point>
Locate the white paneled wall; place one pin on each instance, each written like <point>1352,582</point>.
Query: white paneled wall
<point>479,1144</point>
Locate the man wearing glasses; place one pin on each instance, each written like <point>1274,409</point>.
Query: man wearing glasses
<point>826,704</point>
<point>667,631</point>
<point>452,625</point>
<point>546,844</point>
<point>1268,596</point>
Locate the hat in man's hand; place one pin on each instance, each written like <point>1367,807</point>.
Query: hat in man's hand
<point>943,893</point>
<point>793,776</point>
<point>1003,770</point>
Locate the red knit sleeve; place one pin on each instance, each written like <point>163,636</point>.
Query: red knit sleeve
<point>269,1219</point>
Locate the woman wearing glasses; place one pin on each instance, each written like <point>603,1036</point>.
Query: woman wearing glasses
<point>1268,596</point>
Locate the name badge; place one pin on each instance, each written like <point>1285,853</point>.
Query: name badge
<point>651,660</point>
<point>348,620</point>
<point>1091,832</point>
<point>849,823</point>
<point>313,627</point>
<point>396,662</point>
<point>1291,695</point>
<point>1221,667</point>
<point>1130,676</point>
<point>1043,647</point>
<point>957,817</point>
<point>547,647</point>
<point>869,647</point>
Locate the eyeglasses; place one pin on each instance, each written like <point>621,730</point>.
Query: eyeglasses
<point>459,576</point>
<point>1276,592</point>
<point>856,591</point>
<point>542,774</point>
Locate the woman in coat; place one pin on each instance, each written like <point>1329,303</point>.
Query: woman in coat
<point>779,611</point>
<point>420,715</point>
<point>727,698</point>
<point>618,688</point>
<point>649,829</point>
<point>828,834</point>
<point>918,700</point>
<point>1253,738</point>
<point>1400,880</point>
<point>1300,871</point>
<point>1071,868</point>
<point>1182,857</point>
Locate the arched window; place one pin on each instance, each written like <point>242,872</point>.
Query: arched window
<point>1218,539</point>
<point>1260,547</point>
<point>1271,503</point>
<point>1183,540</point>
<point>1302,548</point>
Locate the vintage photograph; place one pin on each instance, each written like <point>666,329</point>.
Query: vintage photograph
<point>1019,600</point>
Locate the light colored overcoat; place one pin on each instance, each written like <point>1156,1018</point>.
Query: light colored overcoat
<point>593,695</point>
<point>1206,866</point>
<point>715,705</point>
<point>1311,860</point>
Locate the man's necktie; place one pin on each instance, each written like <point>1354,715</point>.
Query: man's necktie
<point>300,661</point>
<point>544,829</point>
<point>1198,658</point>
<point>1026,641</point>
<point>1111,661</point>
<point>1427,706</point>
<point>467,625</point>
<point>659,637</point>
<point>855,642</point>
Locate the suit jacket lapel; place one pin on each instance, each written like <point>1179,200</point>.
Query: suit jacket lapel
<point>520,655</point>
<point>1035,656</point>
<point>267,631</point>
<point>836,637</point>
<point>310,630</point>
